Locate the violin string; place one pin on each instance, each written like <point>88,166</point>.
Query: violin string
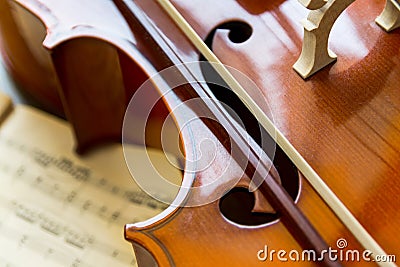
<point>330,198</point>
<point>341,211</point>
<point>293,218</point>
<point>319,185</point>
<point>209,95</point>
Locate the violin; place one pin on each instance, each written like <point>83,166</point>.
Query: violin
<point>340,125</point>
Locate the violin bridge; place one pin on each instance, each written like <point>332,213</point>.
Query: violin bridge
<point>315,53</point>
<point>389,19</point>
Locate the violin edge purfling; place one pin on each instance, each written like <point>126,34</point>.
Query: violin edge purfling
<point>296,223</point>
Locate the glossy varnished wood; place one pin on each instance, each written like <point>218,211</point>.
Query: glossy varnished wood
<point>344,121</point>
<point>38,79</point>
<point>333,118</point>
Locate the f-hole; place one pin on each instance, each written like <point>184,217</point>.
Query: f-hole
<point>236,206</point>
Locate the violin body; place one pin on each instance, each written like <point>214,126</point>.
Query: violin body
<point>344,120</point>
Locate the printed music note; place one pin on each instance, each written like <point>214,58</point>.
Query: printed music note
<point>57,209</point>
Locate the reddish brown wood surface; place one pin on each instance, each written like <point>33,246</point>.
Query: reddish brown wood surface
<point>344,121</point>
<point>39,80</point>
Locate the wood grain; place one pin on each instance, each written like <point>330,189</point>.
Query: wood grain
<point>345,122</point>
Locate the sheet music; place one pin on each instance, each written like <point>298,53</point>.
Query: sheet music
<point>60,210</point>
